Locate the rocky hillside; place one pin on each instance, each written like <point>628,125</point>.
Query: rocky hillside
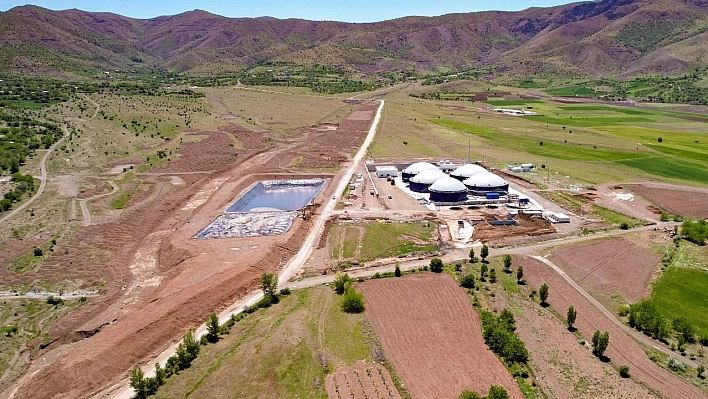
<point>600,38</point>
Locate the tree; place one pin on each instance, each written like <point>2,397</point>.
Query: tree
<point>683,327</point>
<point>467,281</point>
<point>472,258</point>
<point>700,370</point>
<point>493,276</point>
<point>624,371</point>
<point>497,392</point>
<point>572,313</point>
<point>37,251</point>
<point>484,253</point>
<point>341,282</point>
<point>212,323</point>
<point>483,271</point>
<point>137,382</point>
<point>600,342</point>
<point>470,395</point>
<point>507,263</point>
<point>352,301</point>
<point>397,271</point>
<point>187,350</point>
<point>436,265</point>
<point>160,374</point>
<point>507,320</point>
<point>543,293</point>
<point>269,285</point>
<point>520,275</point>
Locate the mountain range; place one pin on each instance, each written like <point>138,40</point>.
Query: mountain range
<point>586,39</point>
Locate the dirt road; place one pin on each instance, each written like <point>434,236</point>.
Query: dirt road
<point>43,178</point>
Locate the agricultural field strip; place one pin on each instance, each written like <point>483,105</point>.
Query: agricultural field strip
<point>633,333</point>
<point>42,185</point>
<point>462,255</point>
<point>121,390</point>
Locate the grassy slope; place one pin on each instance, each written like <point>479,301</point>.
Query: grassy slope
<point>587,143</point>
<point>274,352</point>
<point>681,291</point>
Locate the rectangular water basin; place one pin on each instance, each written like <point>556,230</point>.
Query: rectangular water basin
<point>277,195</point>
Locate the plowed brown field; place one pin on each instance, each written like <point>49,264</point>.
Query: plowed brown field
<point>361,381</point>
<point>690,202</point>
<point>433,337</point>
<point>622,350</point>
<point>614,265</point>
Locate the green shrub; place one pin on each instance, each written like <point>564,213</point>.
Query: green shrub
<point>54,300</point>
<point>352,301</point>
<point>695,231</point>
<point>467,281</point>
<point>624,371</point>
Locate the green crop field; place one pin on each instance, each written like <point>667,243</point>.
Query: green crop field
<point>504,103</point>
<point>681,291</point>
<point>573,91</point>
<point>382,239</point>
<point>673,168</point>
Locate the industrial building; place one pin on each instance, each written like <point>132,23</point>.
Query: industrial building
<point>482,184</point>
<point>416,168</point>
<point>466,171</point>
<point>385,171</point>
<point>423,180</point>
<point>448,189</point>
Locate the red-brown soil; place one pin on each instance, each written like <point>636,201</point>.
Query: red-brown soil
<point>562,366</point>
<point>622,349</point>
<point>361,381</point>
<point>686,202</point>
<point>433,337</point>
<point>529,226</point>
<point>613,265</point>
<point>157,280</point>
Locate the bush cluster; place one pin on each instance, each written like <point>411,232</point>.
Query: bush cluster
<point>644,316</point>
<point>499,334</point>
<point>695,231</point>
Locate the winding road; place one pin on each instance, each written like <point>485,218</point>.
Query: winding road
<point>43,178</point>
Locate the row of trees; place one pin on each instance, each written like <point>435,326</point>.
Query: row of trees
<point>499,334</point>
<point>495,392</point>
<point>352,300</point>
<point>695,231</point>
<point>644,316</point>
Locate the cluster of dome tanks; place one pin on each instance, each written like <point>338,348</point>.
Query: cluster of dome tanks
<point>468,179</point>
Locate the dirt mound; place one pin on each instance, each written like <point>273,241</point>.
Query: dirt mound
<point>613,265</point>
<point>622,349</point>
<point>433,337</point>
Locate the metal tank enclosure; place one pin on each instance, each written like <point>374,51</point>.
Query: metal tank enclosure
<point>466,171</point>
<point>420,182</point>
<point>448,189</point>
<point>416,168</point>
<point>482,183</point>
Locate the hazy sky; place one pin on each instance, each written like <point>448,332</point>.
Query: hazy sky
<point>338,10</point>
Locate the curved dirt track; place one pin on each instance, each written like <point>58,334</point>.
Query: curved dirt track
<point>622,350</point>
<point>432,336</point>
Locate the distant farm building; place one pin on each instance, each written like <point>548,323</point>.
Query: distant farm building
<point>514,112</point>
<point>386,171</point>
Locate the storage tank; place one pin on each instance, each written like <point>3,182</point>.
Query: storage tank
<point>466,171</point>
<point>416,168</point>
<point>482,183</point>
<point>448,189</point>
<point>420,182</point>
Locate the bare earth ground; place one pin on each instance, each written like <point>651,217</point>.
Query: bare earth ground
<point>622,350</point>
<point>681,200</point>
<point>564,368</point>
<point>158,280</point>
<point>617,198</point>
<point>361,381</point>
<point>613,265</point>
<point>432,336</point>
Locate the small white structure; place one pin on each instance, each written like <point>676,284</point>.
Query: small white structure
<point>555,217</point>
<point>446,166</point>
<point>386,171</point>
<point>514,112</point>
